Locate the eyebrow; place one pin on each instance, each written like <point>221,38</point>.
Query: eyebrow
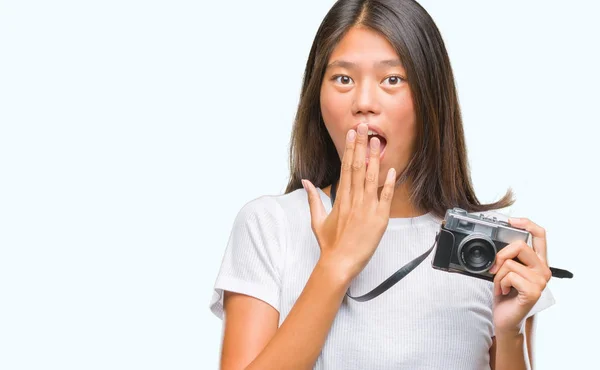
<point>381,63</point>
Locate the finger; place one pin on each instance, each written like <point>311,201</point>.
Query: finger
<point>344,186</point>
<point>358,164</point>
<point>538,234</point>
<point>519,250</point>
<point>524,287</point>
<point>387,193</point>
<point>317,209</point>
<point>510,265</point>
<point>372,176</point>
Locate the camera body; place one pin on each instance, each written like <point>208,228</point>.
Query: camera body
<point>468,243</point>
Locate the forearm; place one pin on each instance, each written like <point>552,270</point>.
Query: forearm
<point>511,352</point>
<point>298,342</point>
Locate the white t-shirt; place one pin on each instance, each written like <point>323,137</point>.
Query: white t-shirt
<point>431,319</point>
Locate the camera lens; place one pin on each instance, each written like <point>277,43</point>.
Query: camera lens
<point>476,254</point>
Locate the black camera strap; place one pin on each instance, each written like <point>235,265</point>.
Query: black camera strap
<point>397,276</point>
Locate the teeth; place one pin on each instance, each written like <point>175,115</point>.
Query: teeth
<point>371,132</point>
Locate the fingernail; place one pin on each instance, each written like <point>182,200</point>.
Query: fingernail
<point>493,269</point>
<point>391,175</point>
<point>374,143</point>
<point>362,129</point>
<point>303,184</point>
<point>351,135</point>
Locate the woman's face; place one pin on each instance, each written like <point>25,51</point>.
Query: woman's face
<point>365,82</point>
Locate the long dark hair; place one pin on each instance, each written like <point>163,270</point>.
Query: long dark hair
<point>438,171</point>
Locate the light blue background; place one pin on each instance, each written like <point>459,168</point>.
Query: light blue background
<point>132,132</point>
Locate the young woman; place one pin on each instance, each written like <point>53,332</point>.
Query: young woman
<point>379,120</point>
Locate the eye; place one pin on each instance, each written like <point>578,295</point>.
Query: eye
<point>342,79</point>
<point>394,80</point>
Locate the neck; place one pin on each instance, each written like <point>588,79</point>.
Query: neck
<point>401,206</point>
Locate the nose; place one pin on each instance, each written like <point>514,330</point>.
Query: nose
<point>365,100</point>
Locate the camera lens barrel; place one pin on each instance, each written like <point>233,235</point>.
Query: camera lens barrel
<point>476,253</point>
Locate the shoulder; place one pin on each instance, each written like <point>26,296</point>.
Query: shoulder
<point>273,212</point>
<point>274,205</point>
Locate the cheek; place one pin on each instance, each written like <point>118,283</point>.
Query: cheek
<point>334,107</point>
<point>402,110</point>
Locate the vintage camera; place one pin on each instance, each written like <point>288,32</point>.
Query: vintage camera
<point>468,243</point>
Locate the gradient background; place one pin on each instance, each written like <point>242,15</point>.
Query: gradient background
<point>132,132</point>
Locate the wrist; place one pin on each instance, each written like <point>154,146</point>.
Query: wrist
<point>510,332</point>
<point>511,335</point>
<point>336,270</point>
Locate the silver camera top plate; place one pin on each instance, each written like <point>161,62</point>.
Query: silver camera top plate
<point>491,224</point>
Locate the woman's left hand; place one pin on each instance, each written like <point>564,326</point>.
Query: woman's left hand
<point>527,277</point>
